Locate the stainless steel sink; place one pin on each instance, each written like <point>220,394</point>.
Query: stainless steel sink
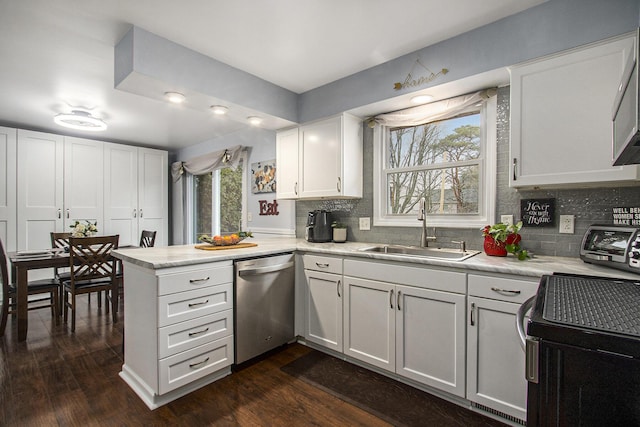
<point>434,253</point>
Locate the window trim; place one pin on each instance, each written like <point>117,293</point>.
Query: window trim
<point>487,172</point>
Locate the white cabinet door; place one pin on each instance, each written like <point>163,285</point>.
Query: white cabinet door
<point>321,158</point>
<point>495,360</point>
<point>561,117</point>
<point>153,190</point>
<point>430,338</point>
<point>8,188</point>
<point>121,192</point>
<point>135,192</point>
<point>83,182</point>
<point>40,188</point>
<point>287,164</point>
<point>369,322</point>
<point>324,309</point>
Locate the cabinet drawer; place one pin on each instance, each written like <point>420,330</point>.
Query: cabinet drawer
<point>188,366</point>
<point>214,274</point>
<point>322,263</point>
<point>501,288</point>
<point>174,308</point>
<point>186,335</point>
<point>403,274</point>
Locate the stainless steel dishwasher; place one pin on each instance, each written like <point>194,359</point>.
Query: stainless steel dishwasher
<point>264,300</point>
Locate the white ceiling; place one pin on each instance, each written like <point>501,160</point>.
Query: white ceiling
<point>58,54</point>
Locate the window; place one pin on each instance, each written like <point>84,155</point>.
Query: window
<point>450,163</point>
<point>216,202</point>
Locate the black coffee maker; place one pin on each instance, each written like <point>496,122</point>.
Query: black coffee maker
<point>318,228</point>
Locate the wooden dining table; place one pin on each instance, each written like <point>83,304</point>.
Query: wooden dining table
<point>21,265</point>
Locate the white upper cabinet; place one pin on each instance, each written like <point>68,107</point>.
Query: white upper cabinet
<point>287,164</point>
<point>561,117</point>
<point>329,163</point>
<point>136,186</point>
<point>40,188</point>
<point>8,188</point>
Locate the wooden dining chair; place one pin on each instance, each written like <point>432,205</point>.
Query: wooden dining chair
<point>92,269</point>
<point>35,287</point>
<point>147,239</point>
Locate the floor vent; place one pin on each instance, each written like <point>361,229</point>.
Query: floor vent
<point>499,414</point>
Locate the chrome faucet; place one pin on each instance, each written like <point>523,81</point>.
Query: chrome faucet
<point>422,216</point>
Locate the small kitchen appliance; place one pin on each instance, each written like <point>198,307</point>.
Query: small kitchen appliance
<point>616,246</point>
<point>318,228</point>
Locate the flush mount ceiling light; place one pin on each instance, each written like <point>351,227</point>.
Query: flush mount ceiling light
<point>80,120</point>
<point>421,99</point>
<point>174,97</point>
<point>219,109</point>
<point>254,120</point>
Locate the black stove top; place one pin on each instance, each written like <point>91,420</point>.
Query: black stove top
<point>590,312</point>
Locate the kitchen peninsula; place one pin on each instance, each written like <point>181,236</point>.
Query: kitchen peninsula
<point>179,303</point>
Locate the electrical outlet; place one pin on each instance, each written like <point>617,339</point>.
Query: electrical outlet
<point>567,224</point>
<point>249,217</point>
<point>506,219</point>
<point>365,223</point>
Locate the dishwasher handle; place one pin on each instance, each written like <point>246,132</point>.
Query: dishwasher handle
<point>264,270</point>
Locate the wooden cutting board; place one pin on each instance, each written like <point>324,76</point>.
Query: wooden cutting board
<point>208,247</point>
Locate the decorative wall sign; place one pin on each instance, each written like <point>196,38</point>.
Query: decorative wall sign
<point>626,216</point>
<point>263,177</point>
<point>267,208</point>
<point>410,81</point>
<point>538,212</point>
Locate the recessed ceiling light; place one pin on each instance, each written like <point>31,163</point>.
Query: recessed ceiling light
<point>219,109</point>
<point>175,97</point>
<point>80,120</point>
<point>254,120</point>
<point>421,99</point>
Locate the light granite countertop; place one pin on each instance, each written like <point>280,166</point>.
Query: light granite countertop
<point>183,255</point>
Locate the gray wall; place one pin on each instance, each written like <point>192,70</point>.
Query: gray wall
<point>553,26</point>
<point>588,205</point>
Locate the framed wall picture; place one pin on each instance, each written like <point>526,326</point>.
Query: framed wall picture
<point>263,177</point>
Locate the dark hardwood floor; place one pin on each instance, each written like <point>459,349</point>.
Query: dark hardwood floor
<point>59,378</point>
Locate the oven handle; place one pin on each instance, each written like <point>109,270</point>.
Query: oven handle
<point>520,315</point>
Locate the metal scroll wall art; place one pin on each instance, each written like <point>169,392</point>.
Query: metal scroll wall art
<point>411,81</point>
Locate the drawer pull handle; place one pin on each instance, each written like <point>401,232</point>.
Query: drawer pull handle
<point>505,291</point>
<point>195,365</point>
<point>195,304</point>
<point>193,334</point>
<point>321,265</point>
<point>198,281</point>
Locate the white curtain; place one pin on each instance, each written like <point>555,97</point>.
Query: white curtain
<point>434,111</point>
<point>207,162</point>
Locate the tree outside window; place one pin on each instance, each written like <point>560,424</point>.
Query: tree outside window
<point>437,161</point>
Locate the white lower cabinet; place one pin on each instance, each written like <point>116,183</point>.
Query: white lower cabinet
<point>495,360</point>
<point>323,320</point>
<point>178,329</point>
<point>408,320</point>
